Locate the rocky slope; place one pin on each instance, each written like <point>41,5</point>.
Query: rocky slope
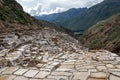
<point>13,18</point>
<point>105,34</point>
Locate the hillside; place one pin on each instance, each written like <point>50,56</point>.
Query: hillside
<point>91,16</point>
<point>105,35</point>
<point>87,18</point>
<point>13,18</point>
<point>58,18</point>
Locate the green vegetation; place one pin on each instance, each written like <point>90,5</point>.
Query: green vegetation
<point>12,12</point>
<point>12,17</point>
<point>93,15</point>
<point>105,35</point>
<point>83,20</point>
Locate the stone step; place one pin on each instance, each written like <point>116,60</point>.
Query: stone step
<point>20,78</point>
<point>20,72</point>
<point>7,77</point>
<point>99,75</point>
<point>10,70</point>
<point>113,77</point>
<point>31,73</point>
<point>42,74</point>
<point>81,75</point>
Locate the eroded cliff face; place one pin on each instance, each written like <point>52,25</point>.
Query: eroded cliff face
<point>105,35</point>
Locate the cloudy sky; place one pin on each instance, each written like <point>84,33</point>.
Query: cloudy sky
<point>39,7</point>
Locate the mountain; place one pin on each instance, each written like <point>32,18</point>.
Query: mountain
<point>13,18</point>
<point>58,18</point>
<point>87,18</point>
<point>93,15</point>
<point>105,35</point>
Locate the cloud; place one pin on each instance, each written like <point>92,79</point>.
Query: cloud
<point>39,7</point>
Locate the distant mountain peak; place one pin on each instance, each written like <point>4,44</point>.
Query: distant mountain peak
<point>58,17</point>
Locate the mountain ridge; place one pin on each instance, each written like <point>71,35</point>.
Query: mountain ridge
<point>91,16</point>
<point>58,17</point>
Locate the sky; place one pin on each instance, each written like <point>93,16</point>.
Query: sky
<point>41,7</point>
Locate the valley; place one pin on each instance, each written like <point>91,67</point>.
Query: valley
<point>32,49</point>
<point>82,19</point>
